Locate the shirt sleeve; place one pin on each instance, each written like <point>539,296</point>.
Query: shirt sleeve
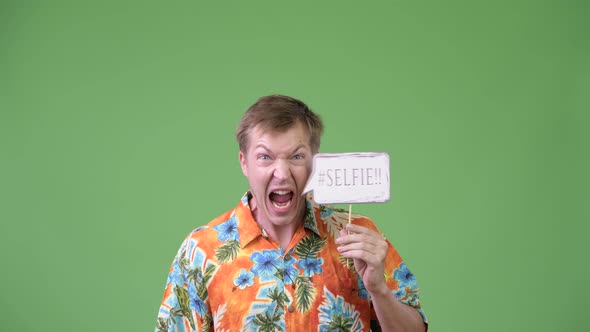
<point>402,281</point>
<point>398,277</point>
<point>184,305</point>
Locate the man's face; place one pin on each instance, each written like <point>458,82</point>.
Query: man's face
<point>277,166</point>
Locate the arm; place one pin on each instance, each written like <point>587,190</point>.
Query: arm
<point>369,249</point>
<point>184,305</point>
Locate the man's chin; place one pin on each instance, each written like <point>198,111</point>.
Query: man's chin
<point>283,219</point>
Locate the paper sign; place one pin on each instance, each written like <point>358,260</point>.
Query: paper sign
<point>349,178</point>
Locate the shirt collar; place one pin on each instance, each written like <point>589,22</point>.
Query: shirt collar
<point>249,229</point>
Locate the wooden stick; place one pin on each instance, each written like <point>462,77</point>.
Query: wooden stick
<point>349,212</point>
<point>349,217</point>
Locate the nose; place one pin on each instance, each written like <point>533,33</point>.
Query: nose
<point>282,170</point>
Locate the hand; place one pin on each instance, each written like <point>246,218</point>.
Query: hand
<point>368,249</point>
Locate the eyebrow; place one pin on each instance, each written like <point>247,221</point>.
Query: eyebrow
<point>263,146</point>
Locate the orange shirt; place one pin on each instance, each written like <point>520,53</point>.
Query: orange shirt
<point>230,276</point>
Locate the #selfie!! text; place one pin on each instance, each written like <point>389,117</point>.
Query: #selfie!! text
<point>336,177</point>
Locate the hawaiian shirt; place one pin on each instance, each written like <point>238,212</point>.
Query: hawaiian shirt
<point>230,276</point>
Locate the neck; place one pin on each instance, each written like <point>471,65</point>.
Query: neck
<point>279,233</point>
<point>282,234</point>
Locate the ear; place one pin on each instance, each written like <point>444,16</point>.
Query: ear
<point>243,163</point>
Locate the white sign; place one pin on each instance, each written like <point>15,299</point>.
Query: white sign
<point>349,178</point>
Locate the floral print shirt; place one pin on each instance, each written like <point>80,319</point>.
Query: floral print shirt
<point>230,276</point>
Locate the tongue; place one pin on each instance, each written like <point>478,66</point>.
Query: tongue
<point>281,198</point>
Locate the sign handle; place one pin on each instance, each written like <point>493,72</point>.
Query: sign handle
<point>349,212</point>
<point>349,216</point>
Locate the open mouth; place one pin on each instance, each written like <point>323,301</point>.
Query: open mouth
<point>281,198</point>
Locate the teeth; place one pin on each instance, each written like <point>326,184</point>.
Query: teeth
<point>281,192</point>
<point>286,204</point>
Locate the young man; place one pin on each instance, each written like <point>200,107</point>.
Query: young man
<point>280,262</point>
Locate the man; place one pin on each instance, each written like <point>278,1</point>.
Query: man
<point>280,262</point>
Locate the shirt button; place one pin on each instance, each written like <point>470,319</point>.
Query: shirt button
<point>287,257</point>
<point>291,308</point>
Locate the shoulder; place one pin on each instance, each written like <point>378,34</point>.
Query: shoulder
<point>205,238</point>
<point>205,230</point>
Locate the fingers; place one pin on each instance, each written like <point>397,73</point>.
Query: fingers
<point>372,260</point>
<point>363,244</point>
<point>371,255</point>
<point>356,233</point>
<point>374,249</point>
<point>352,228</point>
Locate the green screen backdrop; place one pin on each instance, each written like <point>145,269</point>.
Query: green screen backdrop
<point>116,140</point>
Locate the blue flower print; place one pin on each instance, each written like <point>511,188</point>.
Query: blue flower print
<point>176,276</point>
<point>195,302</point>
<point>334,309</point>
<point>404,277</point>
<point>265,263</point>
<point>311,266</point>
<point>400,293</point>
<point>244,279</point>
<point>363,293</point>
<point>228,230</point>
<point>290,273</point>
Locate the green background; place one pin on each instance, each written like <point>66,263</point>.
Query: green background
<point>116,139</point>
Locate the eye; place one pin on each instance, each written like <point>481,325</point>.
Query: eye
<point>298,156</point>
<point>263,157</point>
